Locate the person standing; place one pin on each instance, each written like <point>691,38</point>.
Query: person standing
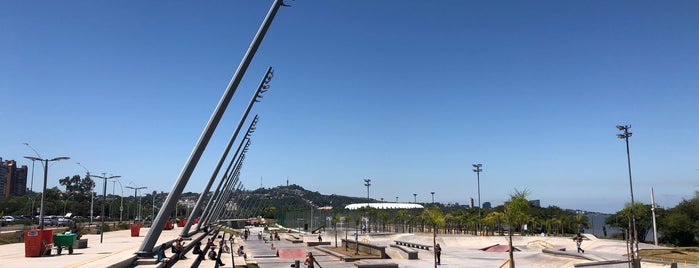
<point>438,253</point>
<point>578,242</point>
<point>310,260</point>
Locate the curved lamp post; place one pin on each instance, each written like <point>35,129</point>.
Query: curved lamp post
<point>46,174</point>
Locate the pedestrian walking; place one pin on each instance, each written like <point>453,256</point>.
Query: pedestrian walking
<point>310,260</point>
<point>438,253</point>
<point>578,242</point>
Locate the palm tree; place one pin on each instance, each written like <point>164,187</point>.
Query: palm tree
<point>383,215</point>
<point>515,213</point>
<point>435,219</point>
<point>334,220</point>
<point>494,219</point>
<point>402,216</point>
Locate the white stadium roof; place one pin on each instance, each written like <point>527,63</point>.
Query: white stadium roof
<point>383,206</point>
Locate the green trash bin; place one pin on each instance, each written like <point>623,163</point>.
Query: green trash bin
<point>64,240</point>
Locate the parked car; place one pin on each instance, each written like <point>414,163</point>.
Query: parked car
<point>8,218</point>
<point>63,221</point>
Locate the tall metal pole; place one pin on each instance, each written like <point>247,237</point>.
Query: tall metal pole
<point>478,170</point>
<point>626,136</point>
<point>121,206</point>
<point>104,197</point>
<point>31,187</point>
<point>652,209</point>
<point>264,85</point>
<point>146,249</point>
<point>432,197</point>
<point>135,195</point>
<point>43,191</point>
<point>367,183</point>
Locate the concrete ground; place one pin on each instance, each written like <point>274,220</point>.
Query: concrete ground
<point>457,251</point>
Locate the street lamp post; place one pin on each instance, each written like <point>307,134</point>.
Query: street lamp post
<point>415,196</point>
<point>367,183</point>
<point>625,136</point>
<point>153,210</point>
<point>92,195</point>
<point>104,197</point>
<point>477,168</point>
<point>121,206</point>
<point>43,191</point>
<point>396,199</point>
<point>31,186</point>
<point>139,199</point>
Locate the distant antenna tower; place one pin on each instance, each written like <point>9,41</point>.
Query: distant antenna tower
<point>287,182</point>
<point>260,181</point>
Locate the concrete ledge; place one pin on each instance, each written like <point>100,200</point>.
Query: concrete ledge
<point>563,253</point>
<point>313,244</point>
<point>412,254</point>
<point>346,258</point>
<point>368,248</point>
<point>363,264</point>
<point>413,245</point>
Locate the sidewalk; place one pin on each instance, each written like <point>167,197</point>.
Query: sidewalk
<point>117,247</point>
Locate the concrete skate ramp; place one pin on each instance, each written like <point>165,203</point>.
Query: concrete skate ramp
<point>291,253</point>
<point>498,248</point>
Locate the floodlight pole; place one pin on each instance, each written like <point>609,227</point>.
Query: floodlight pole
<point>625,136</point>
<point>477,168</point>
<point>367,183</point>
<point>146,249</point>
<point>263,86</point>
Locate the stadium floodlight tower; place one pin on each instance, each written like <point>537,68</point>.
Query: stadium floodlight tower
<point>477,168</point>
<point>625,136</point>
<point>367,183</point>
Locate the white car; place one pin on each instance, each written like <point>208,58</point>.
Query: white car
<point>8,218</point>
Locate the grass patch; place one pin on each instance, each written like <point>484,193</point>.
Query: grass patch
<point>678,255</point>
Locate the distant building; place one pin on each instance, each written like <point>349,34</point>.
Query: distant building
<point>3,180</point>
<point>536,203</point>
<point>486,205</point>
<point>471,202</point>
<point>13,180</point>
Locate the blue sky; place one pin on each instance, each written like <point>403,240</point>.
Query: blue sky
<point>407,93</point>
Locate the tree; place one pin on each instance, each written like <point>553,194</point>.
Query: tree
<point>680,225</point>
<point>515,214</point>
<point>435,218</point>
<point>643,216</point>
<point>494,219</point>
<point>334,220</point>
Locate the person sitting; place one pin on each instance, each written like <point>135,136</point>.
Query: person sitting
<point>212,254</point>
<point>161,254</point>
<point>240,251</point>
<point>197,248</point>
<point>210,244</point>
<point>178,248</point>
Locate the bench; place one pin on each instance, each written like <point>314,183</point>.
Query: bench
<point>412,245</point>
<point>412,254</point>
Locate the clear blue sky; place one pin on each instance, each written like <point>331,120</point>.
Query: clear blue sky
<point>407,93</point>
